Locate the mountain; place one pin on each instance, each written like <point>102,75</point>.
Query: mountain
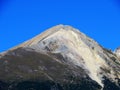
<point>61,58</point>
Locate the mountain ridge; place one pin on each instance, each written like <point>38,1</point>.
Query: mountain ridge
<point>69,48</point>
<point>45,34</point>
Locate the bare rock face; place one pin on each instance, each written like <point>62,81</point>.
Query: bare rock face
<point>61,58</point>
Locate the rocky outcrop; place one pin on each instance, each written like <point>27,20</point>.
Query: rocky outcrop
<point>117,52</point>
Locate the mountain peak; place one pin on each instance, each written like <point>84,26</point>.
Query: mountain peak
<point>60,50</point>
<point>58,28</point>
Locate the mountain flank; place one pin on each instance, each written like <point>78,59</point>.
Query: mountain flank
<point>61,58</point>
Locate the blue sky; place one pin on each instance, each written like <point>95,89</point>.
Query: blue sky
<point>21,20</point>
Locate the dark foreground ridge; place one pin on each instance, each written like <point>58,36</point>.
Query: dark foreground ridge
<point>49,78</point>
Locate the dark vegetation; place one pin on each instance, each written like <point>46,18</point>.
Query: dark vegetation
<point>110,85</point>
<point>50,85</point>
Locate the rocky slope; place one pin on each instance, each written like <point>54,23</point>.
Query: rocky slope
<point>61,58</point>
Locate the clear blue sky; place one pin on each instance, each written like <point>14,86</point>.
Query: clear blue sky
<point>21,20</point>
